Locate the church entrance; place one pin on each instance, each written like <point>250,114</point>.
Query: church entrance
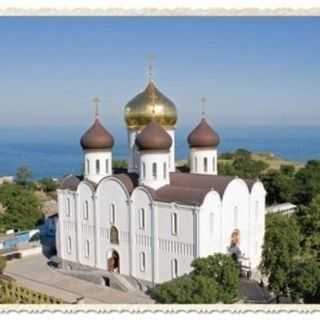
<point>113,264</point>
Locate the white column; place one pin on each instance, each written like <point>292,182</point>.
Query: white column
<point>172,161</point>
<point>61,221</point>
<point>196,230</point>
<point>132,243</point>
<point>76,217</point>
<point>154,248</point>
<point>95,228</point>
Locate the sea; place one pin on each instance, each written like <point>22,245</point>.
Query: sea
<point>55,151</point>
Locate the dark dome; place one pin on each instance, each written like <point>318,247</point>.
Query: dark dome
<point>153,137</point>
<point>203,136</point>
<point>97,137</point>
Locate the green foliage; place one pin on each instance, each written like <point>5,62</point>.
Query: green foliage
<point>304,281</point>
<point>224,271</point>
<point>119,164</point>
<point>48,185</point>
<point>242,165</point>
<point>280,250</point>
<point>3,263</point>
<point>22,208</point>
<point>186,290</point>
<point>13,293</point>
<point>309,222</point>
<point>307,180</point>
<point>280,185</point>
<point>23,175</point>
<point>213,279</point>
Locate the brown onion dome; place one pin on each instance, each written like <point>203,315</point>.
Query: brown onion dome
<point>203,136</point>
<point>97,137</point>
<point>153,137</point>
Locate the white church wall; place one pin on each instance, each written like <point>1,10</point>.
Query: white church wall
<point>257,223</point>
<point>111,194</point>
<point>210,218</point>
<point>147,177</point>
<point>235,214</point>
<point>132,151</point>
<point>172,157</point>
<point>86,219</point>
<point>96,171</point>
<point>67,225</point>
<point>198,157</point>
<point>172,246</point>
<point>142,218</point>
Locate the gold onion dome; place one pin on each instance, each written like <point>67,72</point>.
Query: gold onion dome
<point>139,110</point>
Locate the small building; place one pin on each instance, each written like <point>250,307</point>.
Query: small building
<point>6,179</point>
<point>282,208</point>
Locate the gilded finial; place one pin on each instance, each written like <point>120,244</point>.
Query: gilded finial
<point>96,101</point>
<point>203,108</point>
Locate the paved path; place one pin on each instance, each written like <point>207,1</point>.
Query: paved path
<point>33,272</point>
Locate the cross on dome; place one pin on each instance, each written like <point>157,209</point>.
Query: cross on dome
<point>97,102</point>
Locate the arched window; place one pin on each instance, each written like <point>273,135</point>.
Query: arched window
<point>213,164</point>
<point>174,268</point>
<point>174,223</point>
<point>69,245</point>
<point>86,210</point>
<point>88,166</point>
<point>196,164</point>
<point>211,227</point>
<point>112,213</point>
<point>154,170</point>
<point>142,261</point>
<point>142,219</point>
<point>114,235</point>
<point>235,217</point>
<point>97,166</point>
<point>164,170</point>
<point>107,166</point>
<point>205,164</point>
<point>143,170</point>
<point>68,207</point>
<point>87,249</point>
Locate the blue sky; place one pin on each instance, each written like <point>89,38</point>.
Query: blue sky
<point>253,71</point>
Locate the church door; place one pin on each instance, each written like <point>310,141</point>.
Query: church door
<point>113,263</point>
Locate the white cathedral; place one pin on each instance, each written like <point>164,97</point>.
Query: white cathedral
<point>151,221</point>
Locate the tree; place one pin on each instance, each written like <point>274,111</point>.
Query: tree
<point>22,208</point>
<point>307,180</point>
<point>304,281</point>
<point>224,271</point>
<point>309,222</point>
<point>186,290</point>
<point>3,263</point>
<point>23,174</point>
<point>48,185</point>
<point>280,250</point>
<point>280,185</point>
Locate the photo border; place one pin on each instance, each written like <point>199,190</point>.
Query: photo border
<point>157,11</point>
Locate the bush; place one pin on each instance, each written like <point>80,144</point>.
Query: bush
<point>214,279</point>
<point>186,290</point>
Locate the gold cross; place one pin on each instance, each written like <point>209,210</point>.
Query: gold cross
<point>96,101</point>
<point>151,59</point>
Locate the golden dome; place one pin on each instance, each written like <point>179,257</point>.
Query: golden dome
<point>149,104</point>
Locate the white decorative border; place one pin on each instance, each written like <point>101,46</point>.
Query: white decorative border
<point>216,8</point>
<point>149,11</point>
<point>158,308</point>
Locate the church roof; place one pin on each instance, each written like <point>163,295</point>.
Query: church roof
<point>70,182</point>
<point>184,188</point>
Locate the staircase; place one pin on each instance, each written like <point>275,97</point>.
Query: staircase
<point>251,292</point>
